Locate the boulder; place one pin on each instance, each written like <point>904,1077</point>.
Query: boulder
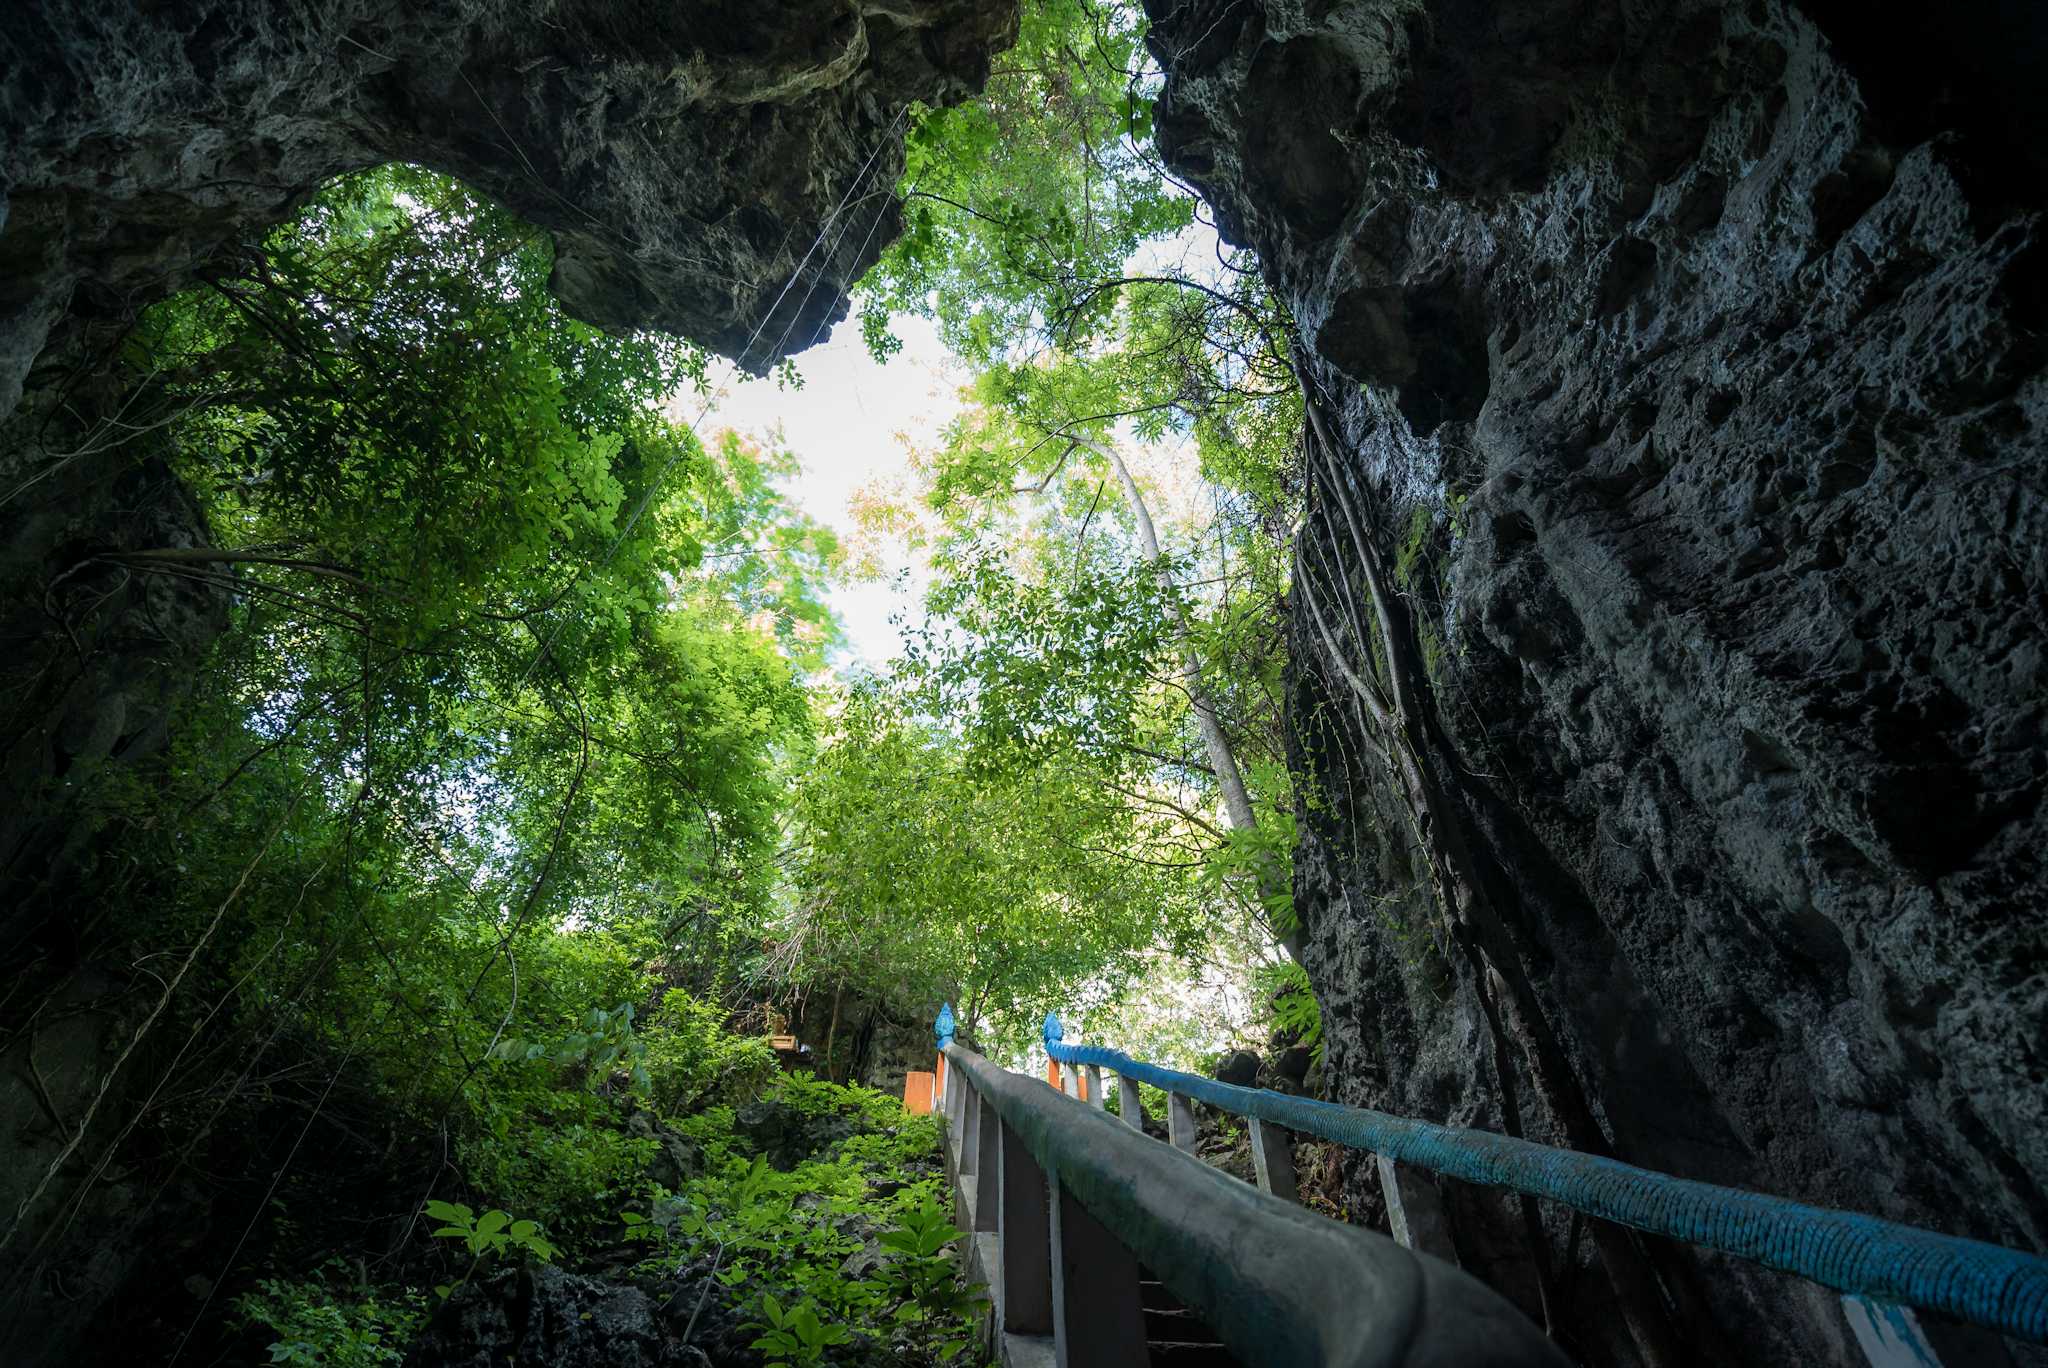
<point>1239,1068</point>
<point>786,1135</point>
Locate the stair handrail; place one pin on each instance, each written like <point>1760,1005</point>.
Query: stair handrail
<point>1887,1262</point>
<point>1282,1286</point>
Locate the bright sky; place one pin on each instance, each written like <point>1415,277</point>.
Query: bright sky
<point>853,425</point>
<point>855,421</point>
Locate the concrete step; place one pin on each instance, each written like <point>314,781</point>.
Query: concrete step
<point>1177,1326</point>
<point>1176,1337</point>
<point>1153,1296</point>
<point>1168,1354</point>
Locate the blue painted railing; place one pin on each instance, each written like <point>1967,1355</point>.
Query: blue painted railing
<point>2001,1289</point>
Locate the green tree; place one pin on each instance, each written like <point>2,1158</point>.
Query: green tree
<point>928,869</point>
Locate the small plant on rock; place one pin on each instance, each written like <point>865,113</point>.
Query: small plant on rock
<point>491,1235</point>
<point>796,1338</point>
<point>932,1306</point>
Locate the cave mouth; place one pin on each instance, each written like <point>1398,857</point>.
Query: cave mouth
<point>442,806</point>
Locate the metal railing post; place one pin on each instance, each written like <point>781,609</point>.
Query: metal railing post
<point>1129,1103</point>
<point>1098,1317</point>
<point>1273,1160</point>
<point>1180,1122</point>
<point>1024,1231</point>
<point>1415,1213</point>
<point>987,1173</point>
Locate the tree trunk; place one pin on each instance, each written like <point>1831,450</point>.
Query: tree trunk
<point>1237,801</point>
<point>832,1033</point>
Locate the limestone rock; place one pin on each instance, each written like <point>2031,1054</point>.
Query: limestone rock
<point>545,1317</point>
<point>1239,1067</point>
<point>717,170</point>
<point>1684,365</point>
<point>787,1136</point>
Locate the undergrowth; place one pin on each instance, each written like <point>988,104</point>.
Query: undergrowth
<point>844,1254</point>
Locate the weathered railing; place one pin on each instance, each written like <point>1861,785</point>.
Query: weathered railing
<point>1071,1209</point>
<point>1882,1268</point>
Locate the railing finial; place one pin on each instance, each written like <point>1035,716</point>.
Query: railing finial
<point>943,1027</point>
<point>1054,1032</point>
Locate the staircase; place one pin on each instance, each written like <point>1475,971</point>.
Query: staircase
<point>1176,1337</point>
<point>1103,1248</point>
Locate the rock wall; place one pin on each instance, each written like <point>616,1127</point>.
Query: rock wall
<point>718,170</point>
<point>1678,367</point>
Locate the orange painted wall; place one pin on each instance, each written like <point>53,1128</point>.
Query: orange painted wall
<point>917,1092</point>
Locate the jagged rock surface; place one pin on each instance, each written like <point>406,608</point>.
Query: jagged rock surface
<point>716,170</point>
<point>545,1317</point>
<point>1686,369</point>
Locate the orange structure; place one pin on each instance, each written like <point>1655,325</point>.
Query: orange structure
<point>917,1092</point>
<point>1052,1076</point>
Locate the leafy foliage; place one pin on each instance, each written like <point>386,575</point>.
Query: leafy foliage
<point>796,1338</point>
<point>1296,1013</point>
<point>923,1287</point>
<point>604,1041</point>
<point>933,871</point>
<point>695,1062</point>
<point>328,1322</point>
<point>556,1153</point>
<point>493,1233</point>
<point>1019,205</point>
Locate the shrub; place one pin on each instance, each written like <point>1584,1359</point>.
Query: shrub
<point>694,1062</point>
<point>317,1322</point>
<point>556,1156</point>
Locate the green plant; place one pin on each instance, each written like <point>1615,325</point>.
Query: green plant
<point>359,1327</point>
<point>821,1097</point>
<point>557,1154</point>
<point>796,1338</point>
<point>923,1289</point>
<point>605,1043</point>
<point>673,1220</point>
<point>491,1235</point>
<point>1293,1000</point>
<point>791,1234</point>
<point>694,1060</point>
